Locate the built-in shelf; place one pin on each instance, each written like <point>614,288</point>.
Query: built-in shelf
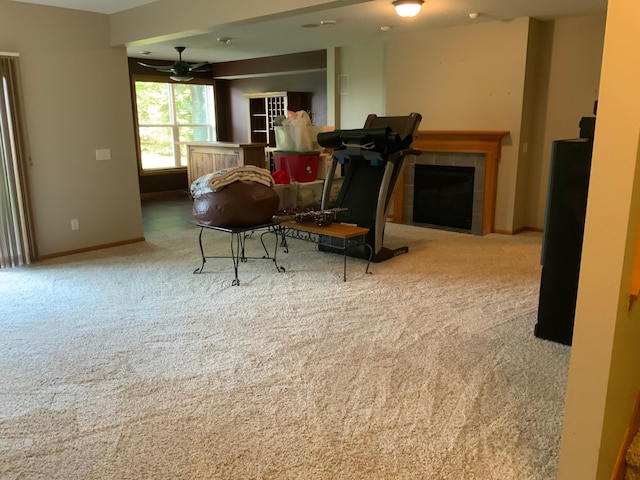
<point>264,107</point>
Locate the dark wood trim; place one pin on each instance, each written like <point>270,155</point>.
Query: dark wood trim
<point>276,64</point>
<point>224,112</point>
<point>165,193</point>
<point>166,179</point>
<point>164,182</point>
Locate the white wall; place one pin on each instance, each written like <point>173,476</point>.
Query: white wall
<point>77,100</point>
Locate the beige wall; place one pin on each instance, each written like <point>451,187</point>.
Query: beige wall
<point>569,57</point>
<point>527,122</point>
<point>465,78</point>
<point>604,374</point>
<point>77,100</point>
<point>489,75</point>
<point>362,83</point>
<point>480,77</point>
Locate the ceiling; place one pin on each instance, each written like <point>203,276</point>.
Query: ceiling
<point>317,31</point>
<point>98,6</point>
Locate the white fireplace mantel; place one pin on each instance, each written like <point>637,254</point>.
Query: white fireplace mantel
<point>487,142</point>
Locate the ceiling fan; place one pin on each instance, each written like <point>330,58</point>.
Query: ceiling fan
<point>181,70</point>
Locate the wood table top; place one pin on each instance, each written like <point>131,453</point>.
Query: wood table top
<point>338,230</point>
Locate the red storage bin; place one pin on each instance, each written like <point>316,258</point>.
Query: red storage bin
<point>301,167</point>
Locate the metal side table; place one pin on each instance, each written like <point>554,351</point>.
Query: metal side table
<point>238,238</point>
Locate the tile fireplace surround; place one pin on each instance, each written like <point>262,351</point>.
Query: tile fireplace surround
<point>448,159</point>
<point>440,148</point>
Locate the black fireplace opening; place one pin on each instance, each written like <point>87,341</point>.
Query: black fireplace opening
<point>443,195</point>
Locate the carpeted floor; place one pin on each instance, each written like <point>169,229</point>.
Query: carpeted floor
<point>122,364</point>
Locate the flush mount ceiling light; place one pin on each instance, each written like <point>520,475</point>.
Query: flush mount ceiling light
<point>408,8</point>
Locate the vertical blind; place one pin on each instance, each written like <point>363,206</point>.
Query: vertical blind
<point>17,245</point>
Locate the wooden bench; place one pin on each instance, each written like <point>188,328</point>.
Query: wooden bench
<point>337,235</point>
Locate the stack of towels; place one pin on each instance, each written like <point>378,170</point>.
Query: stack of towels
<point>216,181</point>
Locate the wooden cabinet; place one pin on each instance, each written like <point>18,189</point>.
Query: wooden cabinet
<point>263,108</point>
<point>207,157</point>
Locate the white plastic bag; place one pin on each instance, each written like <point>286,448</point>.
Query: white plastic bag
<point>296,134</point>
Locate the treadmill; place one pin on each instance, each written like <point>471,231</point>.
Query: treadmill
<point>372,159</point>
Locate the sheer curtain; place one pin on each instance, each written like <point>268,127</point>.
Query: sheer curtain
<point>17,246</point>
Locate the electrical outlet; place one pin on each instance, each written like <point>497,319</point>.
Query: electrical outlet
<point>74,224</point>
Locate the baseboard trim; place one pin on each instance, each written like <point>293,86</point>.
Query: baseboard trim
<point>518,230</point>
<point>91,249</point>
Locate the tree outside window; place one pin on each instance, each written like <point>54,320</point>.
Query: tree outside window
<point>169,116</point>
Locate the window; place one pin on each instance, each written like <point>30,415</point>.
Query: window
<point>169,116</point>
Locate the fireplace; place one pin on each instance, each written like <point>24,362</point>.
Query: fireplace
<point>443,195</point>
<point>462,148</point>
<point>445,190</point>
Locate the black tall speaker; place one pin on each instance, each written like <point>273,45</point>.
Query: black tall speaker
<point>562,238</point>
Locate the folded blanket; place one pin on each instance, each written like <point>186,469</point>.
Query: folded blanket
<point>215,181</point>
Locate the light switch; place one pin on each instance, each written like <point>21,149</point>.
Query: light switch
<point>103,154</point>
<point>343,81</point>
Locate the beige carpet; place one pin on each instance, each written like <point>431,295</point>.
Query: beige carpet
<point>122,364</point>
<point>632,457</point>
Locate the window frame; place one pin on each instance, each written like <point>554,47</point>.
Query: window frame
<point>134,101</point>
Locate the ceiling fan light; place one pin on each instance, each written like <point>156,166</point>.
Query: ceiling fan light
<point>180,78</point>
<point>408,8</point>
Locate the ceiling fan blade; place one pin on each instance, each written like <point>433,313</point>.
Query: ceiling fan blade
<point>197,65</point>
<point>152,66</point>
<point>179,68</point>
<point>166,69</point>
